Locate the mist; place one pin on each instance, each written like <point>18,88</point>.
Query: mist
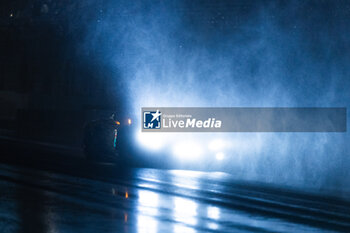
<point>235,54</point>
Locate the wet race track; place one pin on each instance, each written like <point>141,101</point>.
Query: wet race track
<point>44,194</point>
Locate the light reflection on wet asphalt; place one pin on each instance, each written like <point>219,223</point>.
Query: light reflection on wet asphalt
<point>148,200</point>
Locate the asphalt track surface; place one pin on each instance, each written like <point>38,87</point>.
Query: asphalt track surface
<point>42,190</point>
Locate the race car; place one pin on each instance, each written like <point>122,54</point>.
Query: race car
<point>105,139</point>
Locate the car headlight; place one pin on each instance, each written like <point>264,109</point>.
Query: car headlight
<point>186,150</point>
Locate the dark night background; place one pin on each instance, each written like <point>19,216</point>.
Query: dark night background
<point>63,63</point>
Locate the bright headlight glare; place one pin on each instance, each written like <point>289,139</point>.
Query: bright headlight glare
<point>187,150</point>
<point>153,141</point>
<point>216,145</point>
<point>220,156</point>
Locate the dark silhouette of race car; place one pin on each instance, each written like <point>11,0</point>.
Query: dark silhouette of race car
<point>105,140</point>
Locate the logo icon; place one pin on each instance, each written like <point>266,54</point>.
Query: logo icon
<point>152,120</point>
